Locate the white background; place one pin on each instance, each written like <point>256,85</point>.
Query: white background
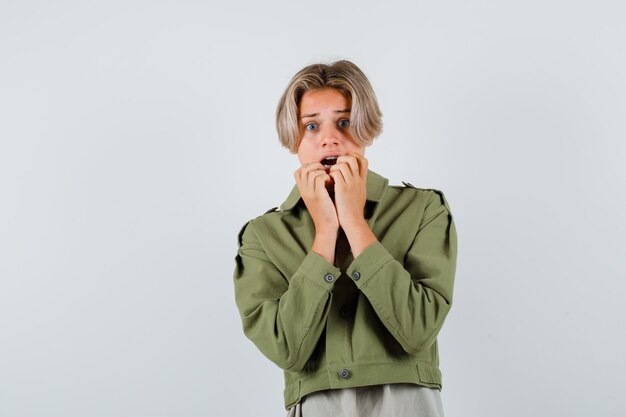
<point>137,137</point>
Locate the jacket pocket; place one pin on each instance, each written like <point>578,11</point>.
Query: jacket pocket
<point>292,392</point>
<point>429,374</point>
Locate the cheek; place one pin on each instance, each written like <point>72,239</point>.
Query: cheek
<point>305,154</point>
<point>357,149</point>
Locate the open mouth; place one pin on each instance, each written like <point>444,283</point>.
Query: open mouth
<point>329,161</point>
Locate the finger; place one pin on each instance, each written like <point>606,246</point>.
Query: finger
<point>344,168</point>
<point>352,163</point>
<point>298,177</point>
<point>302,181</point>
<point>320,183</point>
<point>314,178</point>
<point>363,164</point>
<point>304,169</point>
<point>312,166</point>
<point>338,176</point>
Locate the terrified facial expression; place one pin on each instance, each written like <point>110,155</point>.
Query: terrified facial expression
<point>324,124</point>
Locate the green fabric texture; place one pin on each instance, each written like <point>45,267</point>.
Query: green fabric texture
<point>364,321</point>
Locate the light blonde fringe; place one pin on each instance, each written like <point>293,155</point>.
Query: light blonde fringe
<point>365,117</point>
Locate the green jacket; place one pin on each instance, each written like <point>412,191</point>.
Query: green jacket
<point>364,321</point>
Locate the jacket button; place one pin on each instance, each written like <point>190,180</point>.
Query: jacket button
<point>356,275</point>
<point>344,373</point>
<point>345,312</point>
<point>329,277</point>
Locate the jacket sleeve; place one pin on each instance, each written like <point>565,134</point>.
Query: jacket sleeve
<point>283,316</point>
<point>413,297</point>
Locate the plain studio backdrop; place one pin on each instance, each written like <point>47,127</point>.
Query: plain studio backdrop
<point>138,137</point>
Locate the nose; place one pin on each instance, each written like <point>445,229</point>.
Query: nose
<point>330,136</point>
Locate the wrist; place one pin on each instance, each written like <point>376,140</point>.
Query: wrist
<point>326,229</point>
<point>354,223</point>
<point>360,236</point>
<point>324,244</point>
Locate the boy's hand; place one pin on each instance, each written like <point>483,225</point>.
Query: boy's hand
<point>311,179</point>
<point>350,177</point>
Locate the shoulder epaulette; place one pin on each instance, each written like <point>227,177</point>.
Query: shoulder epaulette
<point>439,192</point>
<point>273,209</point>
<point>442,197</point>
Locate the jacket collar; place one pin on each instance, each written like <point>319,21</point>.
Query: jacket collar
<point>376,185</point>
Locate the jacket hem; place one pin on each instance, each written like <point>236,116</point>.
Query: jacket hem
<point>360,375</point>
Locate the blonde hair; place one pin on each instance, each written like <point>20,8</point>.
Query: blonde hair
<point>365,116</point>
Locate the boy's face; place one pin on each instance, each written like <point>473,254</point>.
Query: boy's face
<point>324,121</point>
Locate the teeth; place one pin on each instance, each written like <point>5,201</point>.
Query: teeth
<point>329,161</point>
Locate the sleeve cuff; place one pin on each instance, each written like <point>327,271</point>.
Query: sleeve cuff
<point>319,271</point>
<point>368,263</point>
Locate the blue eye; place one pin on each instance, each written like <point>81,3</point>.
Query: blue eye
<point>311,126</point>
<point>344,123</point>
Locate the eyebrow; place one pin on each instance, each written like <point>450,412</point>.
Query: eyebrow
<point>317,114</point>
